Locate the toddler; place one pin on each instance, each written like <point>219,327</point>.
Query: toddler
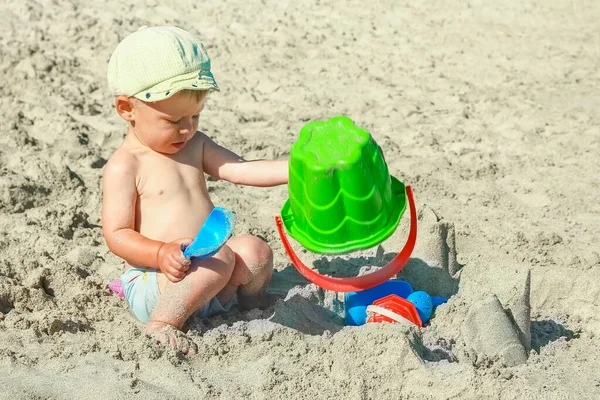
<point>155,195</point>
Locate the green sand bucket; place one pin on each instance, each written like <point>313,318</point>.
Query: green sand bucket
<point>341,195</point>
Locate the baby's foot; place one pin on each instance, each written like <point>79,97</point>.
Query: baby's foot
<point>167,334</point>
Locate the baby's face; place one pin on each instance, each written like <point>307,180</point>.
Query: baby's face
<point>166,126</point>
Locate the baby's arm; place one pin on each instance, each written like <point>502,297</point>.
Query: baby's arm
<point>118,223</point>
<point>225,164</point>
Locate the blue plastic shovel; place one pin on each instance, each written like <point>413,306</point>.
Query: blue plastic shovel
<point>215,232</point>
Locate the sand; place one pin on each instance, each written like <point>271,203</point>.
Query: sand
<point>489,111</point>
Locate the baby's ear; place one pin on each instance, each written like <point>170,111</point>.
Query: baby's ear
<point>124,107</point>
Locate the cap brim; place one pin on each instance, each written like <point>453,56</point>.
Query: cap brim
<point>166,89</point>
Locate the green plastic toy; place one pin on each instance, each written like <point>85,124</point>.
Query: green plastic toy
<point>341,195</point>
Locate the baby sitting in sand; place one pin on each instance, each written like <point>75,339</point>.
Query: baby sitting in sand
<point>155,194</point>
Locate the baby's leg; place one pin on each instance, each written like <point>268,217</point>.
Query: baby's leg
<point>178,301</point>
<point>251,274</point>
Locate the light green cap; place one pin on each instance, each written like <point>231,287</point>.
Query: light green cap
<point>154,63</point>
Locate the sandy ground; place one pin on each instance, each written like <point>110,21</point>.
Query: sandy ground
<point>489,111</point>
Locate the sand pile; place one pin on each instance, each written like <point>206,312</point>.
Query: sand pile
<point>488,111</point>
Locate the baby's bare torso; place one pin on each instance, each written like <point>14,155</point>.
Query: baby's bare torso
<point>173,200</point>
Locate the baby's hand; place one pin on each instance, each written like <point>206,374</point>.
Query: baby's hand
<point>171,261</point>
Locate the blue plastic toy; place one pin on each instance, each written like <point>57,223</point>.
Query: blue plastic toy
<point>437,300</point>
<point>423,304</point>
<point>215,232</point>
<point>355,303</point>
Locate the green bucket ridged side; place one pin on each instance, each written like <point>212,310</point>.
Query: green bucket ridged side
<point>342,197</point>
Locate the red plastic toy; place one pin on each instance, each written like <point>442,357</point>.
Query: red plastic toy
<point>393,308</point>
<point>356,284</point>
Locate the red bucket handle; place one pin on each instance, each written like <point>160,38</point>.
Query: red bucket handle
<point>358,283</point>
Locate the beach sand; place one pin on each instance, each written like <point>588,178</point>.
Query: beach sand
<point>489,111</point>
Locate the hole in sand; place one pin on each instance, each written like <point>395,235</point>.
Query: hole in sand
<point>433,350</point>
<point>547,331</point>
<point>6,304</point>
<point>45,283</point>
